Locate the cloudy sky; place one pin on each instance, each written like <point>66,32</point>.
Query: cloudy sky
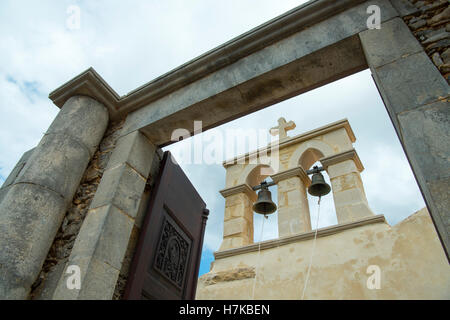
<point>132,42</point>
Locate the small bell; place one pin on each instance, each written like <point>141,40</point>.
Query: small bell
<point>264,205</point>
<point>318,187</point>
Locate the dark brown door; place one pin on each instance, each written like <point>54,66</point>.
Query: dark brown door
<point>167,258</point>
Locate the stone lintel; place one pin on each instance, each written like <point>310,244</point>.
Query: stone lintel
<point>322,232</point>
<point>91,84</point>
<point>295,140</point>
<point>294,172</point>
<point>340,157</point>
<point>242,188</point>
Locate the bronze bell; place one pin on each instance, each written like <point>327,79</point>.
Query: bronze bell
<point>318,187</point>
<point>264,205</point>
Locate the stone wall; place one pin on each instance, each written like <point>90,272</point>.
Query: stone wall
<point>431,26</point>
<point>67,233</point>
<point>126,264</point>
<point>339,269</point>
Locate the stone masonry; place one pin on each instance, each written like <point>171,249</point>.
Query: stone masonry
<point>430,23</point>
<point>33,208</point>
<point>67,233</point>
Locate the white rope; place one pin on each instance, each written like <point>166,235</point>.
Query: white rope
<point>312,251</point>
<point>259,251</point>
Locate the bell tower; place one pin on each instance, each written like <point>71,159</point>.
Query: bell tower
<point>307,262</point>
<point>288,163</point>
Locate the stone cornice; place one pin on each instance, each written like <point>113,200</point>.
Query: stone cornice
<point>322,232</point>
<point>294,140</point>
<point>346,155</point>
<point>242,188</point>
<point>91,84</point>
<point>294,172</point>
<point>88,83</point>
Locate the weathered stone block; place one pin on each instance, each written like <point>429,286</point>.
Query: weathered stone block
<point>234,212</point>
<point>98,280</point>
<point>393,41</point>
<point>293,220</point>
<point>235,226</point>
<point>342,168</point>
<point>234,199</point>
<point>121,186</point>
<point>226,244</point>
<point>410,82</point>
<point>17,169</point>
<point>83,119</point>
<point>62,291</point>
<point>346,182</point>
<point>57,163</point>
<point>114,237</point>
<point>440,192</point>
<point>348,197</point>
<point>426,135</point>
<point>104,235</point>
<point>237,242</point>
<point>404,7</point>
<point>3,192</point>
<point>309,40</point>
<point>353,212</point>
<point>48,287</point>
<point>290,184</point>
<point>136,150</point>
<point>30,217</point>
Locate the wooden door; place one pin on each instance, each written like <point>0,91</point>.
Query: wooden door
<point>167,258</point>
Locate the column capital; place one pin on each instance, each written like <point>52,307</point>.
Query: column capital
<point>293,172</point>
<point>343,156</point>
<point>241,188</point>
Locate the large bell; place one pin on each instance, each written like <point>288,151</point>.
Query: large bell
<point>318,187</point>
<point>264,205</point>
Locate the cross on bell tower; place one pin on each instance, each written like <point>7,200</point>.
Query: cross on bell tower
<point>282,128</point>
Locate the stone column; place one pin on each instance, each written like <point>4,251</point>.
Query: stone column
<point>416,97</point>
<point>32,210</point>
<point>293,208</point>
<point>15,173</point>
<point>238,219</point>
<point>348,191</point>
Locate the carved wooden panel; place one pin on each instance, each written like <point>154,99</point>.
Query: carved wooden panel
<point>172,255</point>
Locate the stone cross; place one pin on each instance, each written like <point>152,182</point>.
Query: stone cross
<point>282,128</point>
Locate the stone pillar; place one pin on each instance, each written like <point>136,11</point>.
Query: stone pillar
<point>238,219</point>
<point>101,245</point>
<point>293,208</point>
<point>348,191</point>
<point>15,173</point>
<point>32,210</point>
<point>416,97</point>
